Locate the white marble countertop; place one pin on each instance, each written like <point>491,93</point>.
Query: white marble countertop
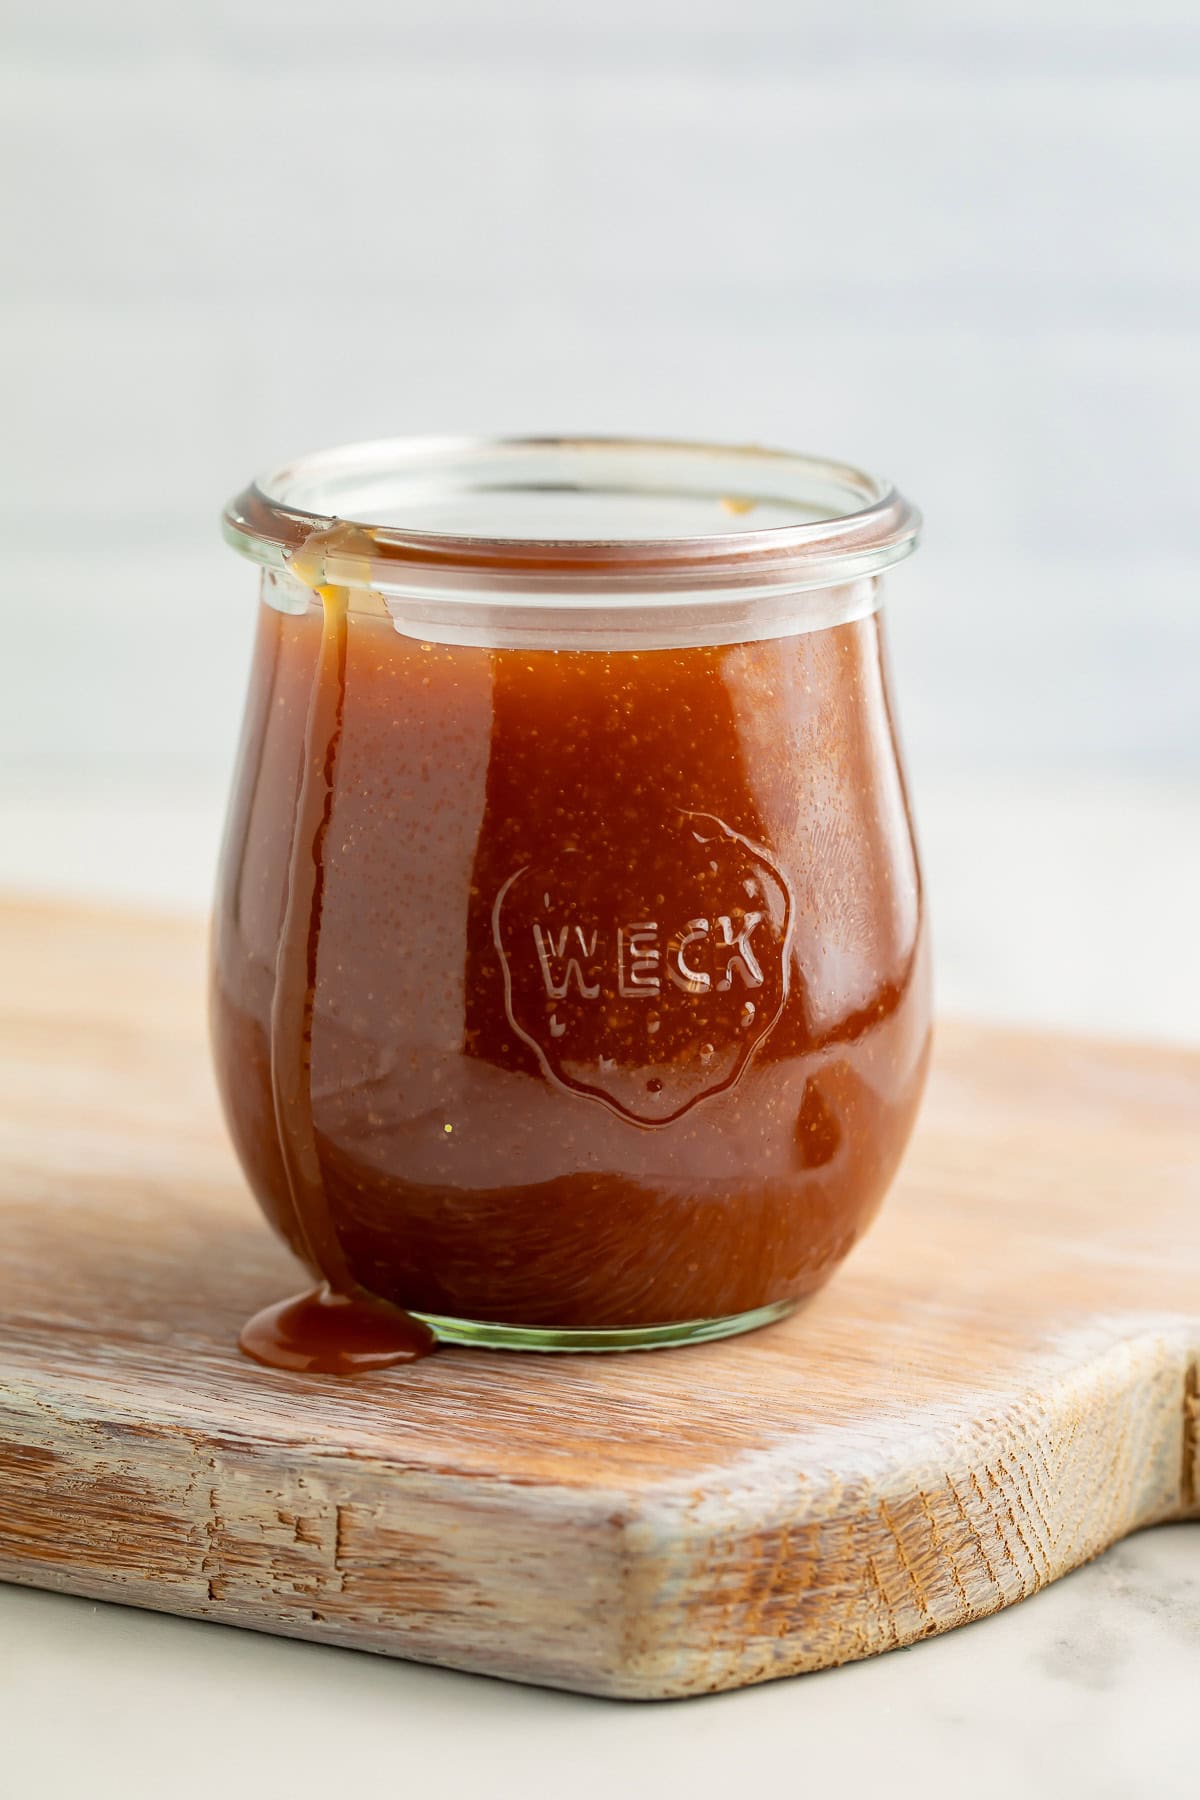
<point>1088,1689</point>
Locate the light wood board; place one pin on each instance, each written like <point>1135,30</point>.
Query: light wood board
<point>1001,1382</point>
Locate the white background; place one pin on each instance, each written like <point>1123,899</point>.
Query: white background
<point>954,242</point>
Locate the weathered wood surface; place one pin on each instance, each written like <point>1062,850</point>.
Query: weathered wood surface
<point>1001,1383</point>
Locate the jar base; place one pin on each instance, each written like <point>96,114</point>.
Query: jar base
<point>487,1335</point>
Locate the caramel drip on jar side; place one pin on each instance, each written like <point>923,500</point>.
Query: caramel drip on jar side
<point>337,1328</point>
<point>296,960</point>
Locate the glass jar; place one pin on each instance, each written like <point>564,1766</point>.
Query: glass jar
<point>570,984</point>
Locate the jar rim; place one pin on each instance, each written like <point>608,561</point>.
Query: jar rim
<point>830,522</point>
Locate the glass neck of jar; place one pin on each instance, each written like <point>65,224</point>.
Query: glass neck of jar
<point>602,622</point>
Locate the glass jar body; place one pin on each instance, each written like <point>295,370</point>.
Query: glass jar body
<point>618,996</point>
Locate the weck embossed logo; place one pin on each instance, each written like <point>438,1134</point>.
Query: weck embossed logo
<point>648,986</point>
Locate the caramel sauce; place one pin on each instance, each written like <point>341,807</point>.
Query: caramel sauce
<point>325,1333</point>
<point>562,988</point>
<point>338,1328</point>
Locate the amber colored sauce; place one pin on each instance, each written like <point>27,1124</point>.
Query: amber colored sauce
<point>337,1328</point>
<point>324,1333</point>
<point>562,989</point>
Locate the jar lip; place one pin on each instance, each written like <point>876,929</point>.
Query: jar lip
<point>833,522</point>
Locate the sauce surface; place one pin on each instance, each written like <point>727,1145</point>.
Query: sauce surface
<point>563,988</point>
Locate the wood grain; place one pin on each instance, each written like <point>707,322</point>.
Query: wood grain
<point>1004,1380</point>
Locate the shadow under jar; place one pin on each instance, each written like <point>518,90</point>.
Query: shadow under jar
<point>569,984</point>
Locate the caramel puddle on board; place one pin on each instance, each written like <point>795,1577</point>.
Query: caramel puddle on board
<point>326,1333</point>
<point>337,1328</point>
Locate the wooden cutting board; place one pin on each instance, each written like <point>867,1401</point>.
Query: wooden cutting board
<point>1001,1383</point>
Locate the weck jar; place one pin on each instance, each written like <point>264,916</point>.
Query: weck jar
<point>570,983</point>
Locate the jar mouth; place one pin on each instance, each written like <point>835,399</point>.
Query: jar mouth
<point>556,519</point>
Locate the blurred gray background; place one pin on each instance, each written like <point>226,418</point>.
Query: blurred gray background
<point>958,244</point>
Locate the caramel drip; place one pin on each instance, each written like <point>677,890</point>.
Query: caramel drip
<point>296,962</point>
<point>337,1328</point>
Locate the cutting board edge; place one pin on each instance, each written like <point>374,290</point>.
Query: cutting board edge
<point>659,1598</point>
